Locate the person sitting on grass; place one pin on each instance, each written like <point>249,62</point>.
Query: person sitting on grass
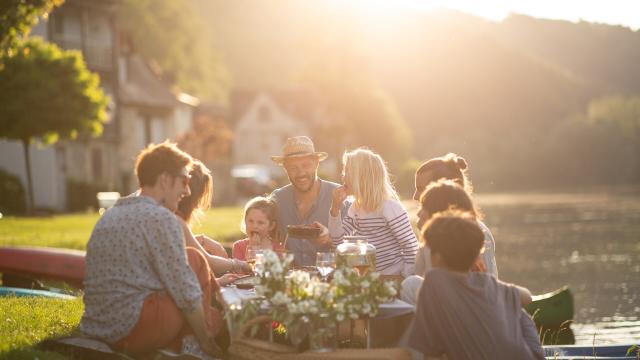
<point>144,290</point>
<point>260,224</point>
<point>463,314</point>
<point>199,200</point>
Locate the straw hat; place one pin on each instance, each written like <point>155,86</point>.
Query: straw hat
<point>298,146</point>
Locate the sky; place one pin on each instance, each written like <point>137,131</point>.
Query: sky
<point>614,12</point>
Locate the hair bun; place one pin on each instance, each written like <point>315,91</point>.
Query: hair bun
<point>461,162</point>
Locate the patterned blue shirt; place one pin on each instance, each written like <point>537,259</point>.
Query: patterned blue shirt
<point>136,248</point>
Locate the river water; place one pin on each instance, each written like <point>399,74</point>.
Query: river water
<point>588,240</point>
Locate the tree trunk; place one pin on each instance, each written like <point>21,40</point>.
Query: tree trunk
<point>27,159</point>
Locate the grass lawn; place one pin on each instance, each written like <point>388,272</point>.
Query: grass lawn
<point>73,231</point>
<point>27,321</point>
<point>24,322</point>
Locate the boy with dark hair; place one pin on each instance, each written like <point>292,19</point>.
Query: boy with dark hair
<point>463,314</point>
<point>143,289</point>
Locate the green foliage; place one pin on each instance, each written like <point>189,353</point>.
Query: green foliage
<point>405,177</point>
<point>28,321</point>
<point>360,112</point>
<point>623,112</point>
<point>499,94</point>
<point>18,16</point>
<point>48,93</point>
<point>172,34</point>
<point>12,194</point>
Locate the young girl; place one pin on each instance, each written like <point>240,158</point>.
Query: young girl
<point>260,224</point>
<point>373,210</point>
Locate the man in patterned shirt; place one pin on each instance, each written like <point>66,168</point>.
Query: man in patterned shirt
<point>143,289</point>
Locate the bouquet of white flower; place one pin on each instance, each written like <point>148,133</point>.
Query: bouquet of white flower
<point>301,302</point>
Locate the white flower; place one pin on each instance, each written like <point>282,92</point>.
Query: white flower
<point>366,309</point>
<point>365,284</point>
<point>260,290</point>
<point>271,257</point>
<point>293,308</point>
<point>340,317</point>
<point>300,278</point>
<point>280,299</point>
<point>390,288</point>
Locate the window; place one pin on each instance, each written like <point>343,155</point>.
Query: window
<point>58,24</point>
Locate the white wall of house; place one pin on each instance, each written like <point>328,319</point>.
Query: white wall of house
<point>139,130</point>
<point>46,172</point>
<point>262,131</point>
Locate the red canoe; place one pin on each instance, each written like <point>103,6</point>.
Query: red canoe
<point>44,263</point>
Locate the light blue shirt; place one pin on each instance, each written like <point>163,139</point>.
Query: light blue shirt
<point>303,250</point>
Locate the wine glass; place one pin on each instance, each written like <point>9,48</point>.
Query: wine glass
<point>326,263</point>
<point>253,256</point>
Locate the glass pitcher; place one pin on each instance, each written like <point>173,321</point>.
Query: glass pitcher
<point>357,253</point>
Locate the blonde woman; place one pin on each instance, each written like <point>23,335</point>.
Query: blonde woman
<point>373,209</point>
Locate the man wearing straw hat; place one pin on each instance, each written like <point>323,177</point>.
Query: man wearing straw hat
<point>306,200</point>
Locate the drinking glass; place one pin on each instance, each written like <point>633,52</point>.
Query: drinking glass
<point>253,256</point>
<point>326,263</point>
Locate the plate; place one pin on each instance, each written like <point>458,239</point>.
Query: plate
<point>303,232</point>
<point>247,282</point>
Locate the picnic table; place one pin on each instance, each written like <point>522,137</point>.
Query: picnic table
<point>383,330</point>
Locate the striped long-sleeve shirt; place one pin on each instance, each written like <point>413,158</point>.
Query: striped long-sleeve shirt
<point>389,230</point>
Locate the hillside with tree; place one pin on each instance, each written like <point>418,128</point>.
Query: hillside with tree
<point>512,97</point>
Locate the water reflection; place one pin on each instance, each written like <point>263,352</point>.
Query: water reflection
<point>589,241</point>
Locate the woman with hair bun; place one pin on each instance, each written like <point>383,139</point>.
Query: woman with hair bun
<point>452,167</point>
<point>455,169</point>
<point>449,166</point>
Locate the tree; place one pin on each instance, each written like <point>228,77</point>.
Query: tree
<point>47,93</point>
<point>622,112</point>
<point>361,112</point>
<point>18,16</point>
<point>172,34</point>
<point>209,139</point>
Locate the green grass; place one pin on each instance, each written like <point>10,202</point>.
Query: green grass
<point>73,231</point>
<point>25,322</point>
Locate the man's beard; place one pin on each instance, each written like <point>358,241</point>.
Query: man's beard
<point>312,180</point>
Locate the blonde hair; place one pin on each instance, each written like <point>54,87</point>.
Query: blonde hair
<point>366,173</point>
<point>269,207</point>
